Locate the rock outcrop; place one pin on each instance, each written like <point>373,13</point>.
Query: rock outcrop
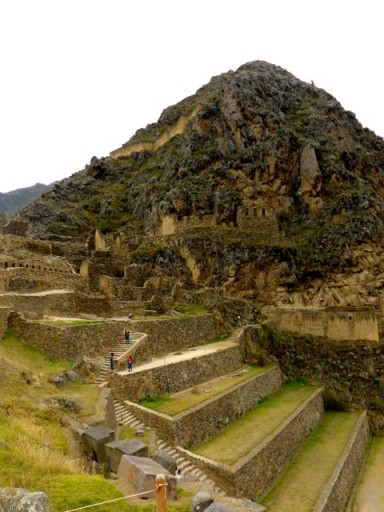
<point>259,186</point>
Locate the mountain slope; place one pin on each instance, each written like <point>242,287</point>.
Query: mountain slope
<point>286,184</point>
<point>13,201</point>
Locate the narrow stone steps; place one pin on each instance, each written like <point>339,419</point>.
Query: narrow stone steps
<point>323,472</point>
<point>369,493</point>
<point>119,350</point>
<point>125,418</point>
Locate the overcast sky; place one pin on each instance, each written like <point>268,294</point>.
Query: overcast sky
<point>79,77</point>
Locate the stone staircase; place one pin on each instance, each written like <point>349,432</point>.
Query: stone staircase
<point>189,472</point>
<point>120,351</point>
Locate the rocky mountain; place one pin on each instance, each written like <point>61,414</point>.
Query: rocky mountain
<point>260,185</point>
<point>13,201</point>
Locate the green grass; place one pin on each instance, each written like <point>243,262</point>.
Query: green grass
<point>34,451</point>
<point>129,433</point>
<point>191,309</point>
<point>68,323</point>
<point>370,491</point>
<point>255,425</point>
<point>185,310</point>
<point>302,483</point>
<point>180,402</point>
<point>21,355</point>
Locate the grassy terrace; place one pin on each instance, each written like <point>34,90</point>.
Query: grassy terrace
<point>255,426</point>
<point>301,485</point>
<point>180,402</point>
<point>67,322</point>
<point>370,491</point>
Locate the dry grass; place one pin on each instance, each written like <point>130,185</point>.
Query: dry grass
<point>301,485</point>
<point>254,426</point>
<point>180,402</point>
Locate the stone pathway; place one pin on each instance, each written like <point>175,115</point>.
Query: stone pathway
<point>184,355</point>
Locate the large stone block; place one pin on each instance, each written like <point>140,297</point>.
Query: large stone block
<point>141,473</point>
<point>115,450</point>
<point>95,439</point>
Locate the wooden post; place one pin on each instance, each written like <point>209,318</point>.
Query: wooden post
<point>161,493</point>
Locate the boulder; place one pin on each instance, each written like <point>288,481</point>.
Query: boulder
<point>165,460</point>
<point>201,501</point>
<point>95,439</point>
<point>20,500</point>
<point>141,473</point>
<point>116,449</point>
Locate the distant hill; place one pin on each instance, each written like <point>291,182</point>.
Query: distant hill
<point>13,201</point>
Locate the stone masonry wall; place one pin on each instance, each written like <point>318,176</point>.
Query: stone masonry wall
<point>175,377</point>
<point>336,493</point>
<point>195,426</point>
<point>4,313</point>
<point>335,324</point>
<point>252,476</point>
<point>70,342</point>
<point>24,280</point>
<point>170,334</point>
<point>95,339</point>
<point>66,304</point>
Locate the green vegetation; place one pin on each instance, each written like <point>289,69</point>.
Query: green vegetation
<point>221,337</point>
<point>272,336</point>
<point>35,451</point>
<point>145,254</point>
<point>255,425</point>
<point>70,322</point>
<point>301,485</point>
<point>370,491</point>
<point>180,402</point>
<point>129,433</point>
<point>191,309</point>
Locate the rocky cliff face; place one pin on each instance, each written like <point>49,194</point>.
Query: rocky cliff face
<point>269,189</point>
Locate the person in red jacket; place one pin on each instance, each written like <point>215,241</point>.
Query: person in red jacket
<point>130,363</point>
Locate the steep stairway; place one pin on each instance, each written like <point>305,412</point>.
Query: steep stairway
<point>189,472</point>
<point>120,350</point>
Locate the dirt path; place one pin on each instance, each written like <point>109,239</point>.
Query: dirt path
<point>184,355</point>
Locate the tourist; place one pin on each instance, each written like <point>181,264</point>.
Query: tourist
<point>130,363</point>
<point>112,361</point>
<point>126,336</point>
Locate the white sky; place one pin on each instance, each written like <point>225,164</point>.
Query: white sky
<point>79,77</point>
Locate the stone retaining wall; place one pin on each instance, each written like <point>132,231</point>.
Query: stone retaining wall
<point>254,474</point>
<point>336,494</point>
<point>68,304</point>
<point>4,313</point>
<point>172,334</point>
<point>25,280</point>
<point>175,377</point>
<point>69,342</point>
<point>195,425</point>
<point>125,308</point>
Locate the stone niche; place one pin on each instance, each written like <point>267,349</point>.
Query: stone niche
<point>335,324</point>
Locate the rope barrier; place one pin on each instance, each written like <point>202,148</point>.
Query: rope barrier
<point>117,499</point>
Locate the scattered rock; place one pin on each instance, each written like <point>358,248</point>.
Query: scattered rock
<point>20,500</point>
